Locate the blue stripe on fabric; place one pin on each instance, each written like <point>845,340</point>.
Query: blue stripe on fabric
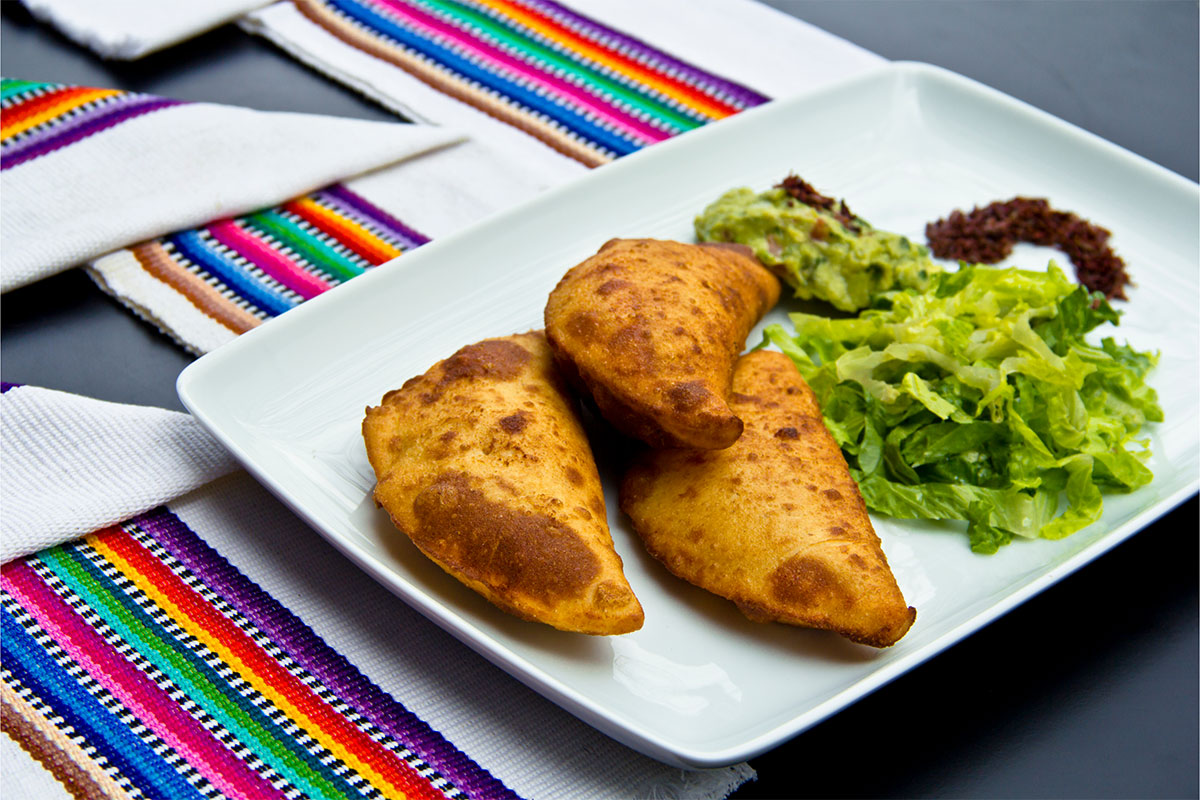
<point>569,119</point>
<point>229,272</point>
<point>222,685</point>
<point>37,670</point>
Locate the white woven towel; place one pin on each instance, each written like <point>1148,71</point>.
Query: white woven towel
<point>72,464</point>
<point>741,40</point>
<point>176,168</point>
<point>129,29</point>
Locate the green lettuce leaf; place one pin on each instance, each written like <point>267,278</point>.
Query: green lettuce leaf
<point>980,400</point>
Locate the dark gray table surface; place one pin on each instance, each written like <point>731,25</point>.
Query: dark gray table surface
<point>1087,690</point>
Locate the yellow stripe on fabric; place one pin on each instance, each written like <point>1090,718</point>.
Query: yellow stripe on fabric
<point>597,54</point>
<point>311,726</point>
<point>341,221</point>
<point>429,73</point>
<point>56,109</point>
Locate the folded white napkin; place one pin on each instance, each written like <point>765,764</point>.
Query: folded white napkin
<point>75,458</point>
<point>73,464</point>
<point>129,29</point>
<point>172,167</point>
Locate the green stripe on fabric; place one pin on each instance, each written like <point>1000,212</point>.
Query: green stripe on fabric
<point>209,673</point>
<point>10,87</point>
<point>551,59</point>
<point>160,652</point>
<point>308,246</point>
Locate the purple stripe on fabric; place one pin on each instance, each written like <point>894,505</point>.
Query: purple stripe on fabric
<point>318,658</point>
<point>386,232</point>
<point>90,124</point>
<point>373,212</point>
<point>743,94</point>
<point>5,386</point>
<point>71,119</point>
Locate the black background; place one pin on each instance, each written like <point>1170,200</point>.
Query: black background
<point>1087,690</point>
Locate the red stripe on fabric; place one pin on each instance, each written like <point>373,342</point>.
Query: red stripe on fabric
<point>582,96</point>
<point>15,114</point>
<point>344,234</point>
<point>33,105</point>
<point>626,65</point>
<point>268,259</point>
<point>254,659</point>
<point>160,713</point>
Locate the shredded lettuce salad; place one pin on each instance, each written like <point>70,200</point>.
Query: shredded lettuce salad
<point>979,400</point>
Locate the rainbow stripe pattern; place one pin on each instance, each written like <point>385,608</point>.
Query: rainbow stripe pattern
<point>38,118</point>
<point>239,272</point>
<point>584,89</point>
<point>139,663</point>
<point>587,90</point>
<point>243,271</point>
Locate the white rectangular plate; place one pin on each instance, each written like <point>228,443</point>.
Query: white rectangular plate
<point>699,685</point>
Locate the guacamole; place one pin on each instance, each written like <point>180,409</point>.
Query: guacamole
<point>816,245</point>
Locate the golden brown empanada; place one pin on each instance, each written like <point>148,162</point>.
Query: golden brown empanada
<point>651,329</point>
<point>483,463</point>
<point>774,523</point>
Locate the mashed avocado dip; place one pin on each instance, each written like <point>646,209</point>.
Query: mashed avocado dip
<point>815,244</point>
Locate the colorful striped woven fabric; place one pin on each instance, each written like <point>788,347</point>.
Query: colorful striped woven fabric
<point>39,118</point>
<point>243,271</point>
<point>584,89</point>
<point>588,91</point>
<point>139,663</point>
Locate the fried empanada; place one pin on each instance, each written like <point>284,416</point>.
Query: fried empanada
<point>651,329</point>
<point>483,463</point>
<point>774,523</point>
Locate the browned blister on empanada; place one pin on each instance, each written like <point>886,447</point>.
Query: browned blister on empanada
<point>774,523</point>
<point>651,329</point>
<point>483,463</point>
